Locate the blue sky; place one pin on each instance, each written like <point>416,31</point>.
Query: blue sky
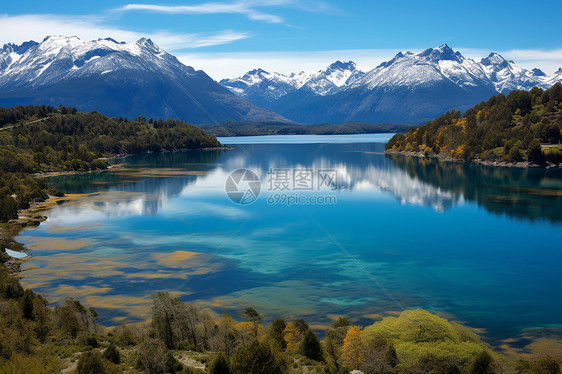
<point>228,37</point>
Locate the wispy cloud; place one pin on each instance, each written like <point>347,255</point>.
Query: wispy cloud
<point>248,8</point>
<point>17,29</point>
<point>208,8</point>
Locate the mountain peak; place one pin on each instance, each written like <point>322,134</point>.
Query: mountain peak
<point>538,73</point>
<point>443,52</point>
<point>108,39</point>
<point>494,59</point>
<point>444,47</point>
<point>60,38</point>
<point>258,71</point>
<point>339,65</point>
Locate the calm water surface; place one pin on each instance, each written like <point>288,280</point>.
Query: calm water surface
<point>477,244</point>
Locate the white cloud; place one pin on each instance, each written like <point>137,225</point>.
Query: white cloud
<point>18,29</point>
<point>248,8</point>
<point>228,65</point>
<point>208,8</point>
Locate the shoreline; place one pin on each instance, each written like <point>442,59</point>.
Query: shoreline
<point>112,166</point>
<point>448,158</point>
<point>32,217</point>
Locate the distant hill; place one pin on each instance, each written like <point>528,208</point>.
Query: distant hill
<point>245,128</point>
<point>522,126</point>
<point>117,79</point>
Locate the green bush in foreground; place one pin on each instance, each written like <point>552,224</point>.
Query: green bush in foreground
<point>427,341</point>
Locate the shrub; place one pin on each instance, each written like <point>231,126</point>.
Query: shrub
<point>220,365</point>
<point>112,354</point>
<point>257,358</point>
<point>91,363</point>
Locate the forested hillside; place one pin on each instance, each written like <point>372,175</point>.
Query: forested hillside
<point>247,128</point>
<point>37,139</point>
<point>522,126</point>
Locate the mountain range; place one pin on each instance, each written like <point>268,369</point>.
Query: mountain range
<point>131,79</point>
<point>410,88</point>
<point>117,79</point>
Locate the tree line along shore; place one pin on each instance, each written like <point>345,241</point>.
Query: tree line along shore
<point>522,128</point>
<point>42,139</point>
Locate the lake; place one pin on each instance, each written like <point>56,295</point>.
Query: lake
<point>308,227</point>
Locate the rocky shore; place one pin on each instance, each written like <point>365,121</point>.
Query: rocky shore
<point>448,158</point>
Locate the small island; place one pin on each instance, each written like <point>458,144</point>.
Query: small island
<point>520,129</point>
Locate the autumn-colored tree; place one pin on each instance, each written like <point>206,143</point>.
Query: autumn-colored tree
<point>293,337</point>
<point>352,349</point>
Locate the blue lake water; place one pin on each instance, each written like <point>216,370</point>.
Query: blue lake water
<point>338,228</point>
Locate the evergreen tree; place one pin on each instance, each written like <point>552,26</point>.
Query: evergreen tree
<point>220,365</point>
<point>257,358</point>
<point>112,354</point>
<point>310,346</point>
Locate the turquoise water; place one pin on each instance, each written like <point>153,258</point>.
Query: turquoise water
<point>477,244</point>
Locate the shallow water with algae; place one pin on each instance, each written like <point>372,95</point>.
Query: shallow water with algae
<point>477,244</point>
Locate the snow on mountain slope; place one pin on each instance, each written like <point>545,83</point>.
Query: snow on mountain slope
<point>121,79</point>
<point>410,88</point>
<point>332,79</point>
<point>405,69</point>
<point>424,69</point>
<point>553,79</point>
<point>508,76</point>
<point>59,57</point>
<point>262,87</point>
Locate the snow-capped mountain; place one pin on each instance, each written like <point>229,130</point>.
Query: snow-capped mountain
<point>553,79</point>
<point>263,88</point>
<point>119,79</point>
<point>508,76</point>
<point>411,88</point>
<point>332,79</point>
<point>424,69</point>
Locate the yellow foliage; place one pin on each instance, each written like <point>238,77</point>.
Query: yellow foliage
<point>249,327</point>
<point>352,348</point>
<point>31,364</point>
<point>293,337</point>
<point>481,115</point>
<point>461,123</point>
<point>459,151</point>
